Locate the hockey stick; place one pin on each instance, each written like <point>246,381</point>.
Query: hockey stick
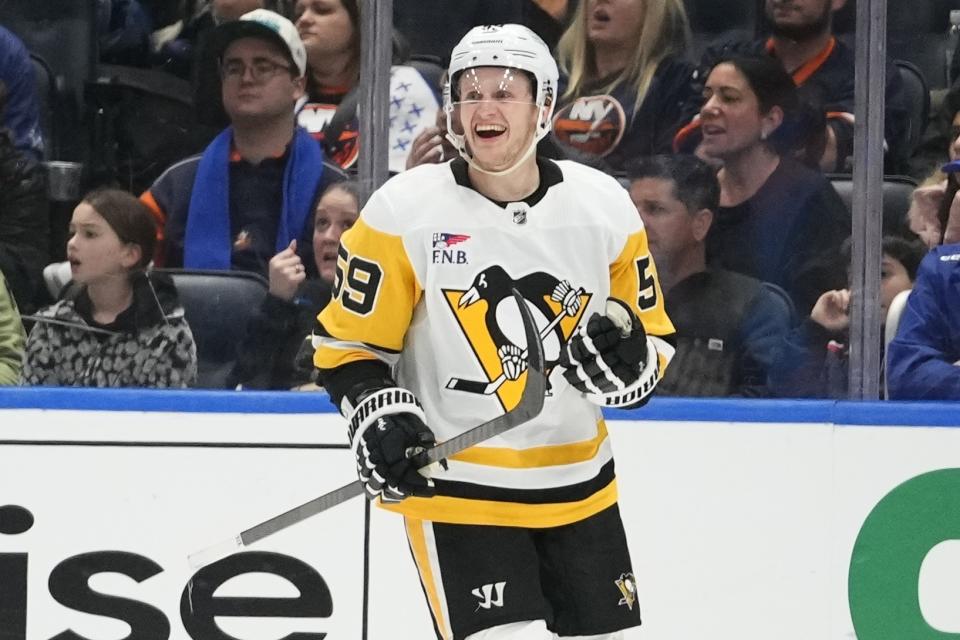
<point>488,388</point>
<point>529,406</point>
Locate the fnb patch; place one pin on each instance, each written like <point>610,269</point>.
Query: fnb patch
<point>442,251</point>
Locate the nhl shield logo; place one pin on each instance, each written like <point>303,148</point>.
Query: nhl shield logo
<point>519,213</point>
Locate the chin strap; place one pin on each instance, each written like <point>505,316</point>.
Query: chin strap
<point>503,172</point>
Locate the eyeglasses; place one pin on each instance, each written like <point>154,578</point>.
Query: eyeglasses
<point>260,70</point>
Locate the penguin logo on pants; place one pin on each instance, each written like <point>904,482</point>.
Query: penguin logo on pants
<point>488,316</point>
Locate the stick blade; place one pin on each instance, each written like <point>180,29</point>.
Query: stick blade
<point>535,390</point>
<point>215,552</point>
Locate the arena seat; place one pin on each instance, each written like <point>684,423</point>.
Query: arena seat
<point>917,94</point>
<point>714,23</point>
<point>897,306</point>
<point>46,100</point>
<point>143,120</point>
<point>897,191</point>
<point>64,35</point>
<point>218,306</point>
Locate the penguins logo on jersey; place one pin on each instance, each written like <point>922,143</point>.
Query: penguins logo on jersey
<point>592,124</point>
<point>487,314</point>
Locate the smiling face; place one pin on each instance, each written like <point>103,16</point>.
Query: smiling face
<point>730,119</point>
<point>496,114</point>
<point>336,212</point>
<point>325,28</point>
<point>95,251</point>
<point>614,22</point>
<point>271,95</point>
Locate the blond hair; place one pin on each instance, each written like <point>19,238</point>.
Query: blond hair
<point>665,31</point>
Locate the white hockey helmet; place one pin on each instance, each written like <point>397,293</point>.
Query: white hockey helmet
<point>505,45</point>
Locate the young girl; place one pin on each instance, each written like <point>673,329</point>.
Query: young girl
<point>276,335</point>
<point>115,325</point>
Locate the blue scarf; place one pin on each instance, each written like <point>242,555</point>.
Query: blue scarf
<point>208,243</point>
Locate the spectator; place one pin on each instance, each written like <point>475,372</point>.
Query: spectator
<point>115,325</point>
<point>939,136</point>
<point>624,79</point>
<point>24,222</point>
<point>923,358</point>
<point>778,220</point>
<point>728,325</point>
<point>548,18</point>
<point>331,34</point>
<point>813,359</point>
<point>21,114</point>
<point>937,198</point>
<point>823,68</point>
<point>433,27</point>
<point>251,191</point>
<point>11,336</point>
<point>178,55</point>
<point>280,332</point>
<point>431,145</point>
<point>124,29</point>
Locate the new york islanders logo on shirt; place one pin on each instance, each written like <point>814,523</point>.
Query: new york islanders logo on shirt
<point>489,318</point>
<point>592,124</point>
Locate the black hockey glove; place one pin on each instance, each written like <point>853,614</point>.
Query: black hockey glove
<point>389,439</point>
<point>610,359</point>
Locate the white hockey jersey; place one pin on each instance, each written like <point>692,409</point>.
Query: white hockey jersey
<point>424,281</point>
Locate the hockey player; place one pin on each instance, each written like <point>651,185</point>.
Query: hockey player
<point>521,536</point>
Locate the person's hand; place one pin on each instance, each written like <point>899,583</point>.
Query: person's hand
<point>607,358</point>
<point>923,214</point>
<point>286,272</point>
<point>828,161</point>
<point>427,148</point>
<point>389,440</point>
<point>832,311</point>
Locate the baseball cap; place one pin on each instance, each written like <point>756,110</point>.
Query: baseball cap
<point>265,24</point>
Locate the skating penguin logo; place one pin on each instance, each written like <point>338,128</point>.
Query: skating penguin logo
<point>490,320</point>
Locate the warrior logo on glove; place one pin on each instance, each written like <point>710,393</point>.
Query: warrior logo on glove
<point>488,316</point>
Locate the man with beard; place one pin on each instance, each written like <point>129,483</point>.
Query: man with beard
<point>822,66</point>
